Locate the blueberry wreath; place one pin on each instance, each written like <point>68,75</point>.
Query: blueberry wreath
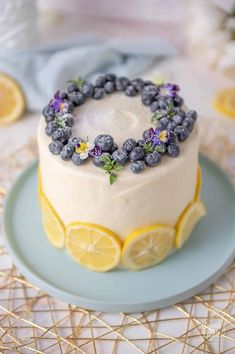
<point>171,124</point>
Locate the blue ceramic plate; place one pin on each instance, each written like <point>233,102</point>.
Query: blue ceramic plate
<point>201,261</point>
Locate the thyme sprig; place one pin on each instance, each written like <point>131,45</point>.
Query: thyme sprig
<point>111,167</point>
<point>78,82</point>
<point>149,147</point>
<point>168,112</point>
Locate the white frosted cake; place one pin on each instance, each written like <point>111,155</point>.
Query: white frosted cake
<point>119,179</point>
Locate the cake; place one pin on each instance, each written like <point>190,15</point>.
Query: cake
<point>119,178</point>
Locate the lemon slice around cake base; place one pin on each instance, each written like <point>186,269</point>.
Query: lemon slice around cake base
<point>147,246</point>
<point>199,184</point>
<point>93,246</point>
<point>188,220</point>
<point>52,224</point>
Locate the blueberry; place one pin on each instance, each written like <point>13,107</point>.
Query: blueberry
<point>153,159</point>
<point>137,166</point>
<point>98,93</point>
<point>120,156</point>
<point>160,126</point>
<point>55,147</point>
<point>141,142</point>
<point>181,132</point>
<point>77,159</point>
<point>162,104</point>
<point>62,94</point>
<point>46,111</point>
<point>173,150</point>
<point>150,90</point>
<point>148,82</point>
<point>171,126</point>
<point>114,148</point>
<point>189,123</point>
<point>67,133</point>
<point>97,160</point>
<point>147,134</point>
<point>100,81</point>
<point>69,119</point>
<point>177,119</point>
<point>74,141</point>
<point>87,89</point>
<point>61,134</point>
<point>109,87</point>
<point>137,154</point>
<point>72,88</point>
<point>138,84</point>
<point>146,100</point>
<point>154,106</point>
<point>105,142</point>
<point>121,83</point>
<point>178,101</point>
<point>77,98</point>
<point>180,112</point>
<point>164,121</point>
<point>191,114</point>
<point>130,91</point>
<point>129,145</point>
<point>48,114</point>
<point>50,128</point>
<point>173,139</point>
<point>70,107</point>
<point>110,77</point>
<point>67,152</point>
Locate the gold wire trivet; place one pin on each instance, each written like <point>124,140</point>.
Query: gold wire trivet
<point>32,321</point>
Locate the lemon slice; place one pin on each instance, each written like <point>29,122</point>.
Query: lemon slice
<point>12,100</point>
<point>40,191</point>
<point>199,184</point>
<point>93,246</point>
<point>52,224</point>
<point>147,246</point>
<point>224,102</point>
<point>188,220</point>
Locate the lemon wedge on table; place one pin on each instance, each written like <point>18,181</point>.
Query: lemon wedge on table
<point>147,246</point>
<point>93,246</point>
<point>224,102</point>
<point>12,100</point>
<point>52,224</point>
<point>188,220</point>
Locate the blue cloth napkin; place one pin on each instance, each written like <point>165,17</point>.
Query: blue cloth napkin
<point>42,71</point>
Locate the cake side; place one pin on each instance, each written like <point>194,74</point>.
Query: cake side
<point>159,195</point>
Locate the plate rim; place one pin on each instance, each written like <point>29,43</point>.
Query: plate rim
<point>92,303</point>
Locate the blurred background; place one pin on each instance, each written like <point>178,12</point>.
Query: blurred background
<point>43,43</point>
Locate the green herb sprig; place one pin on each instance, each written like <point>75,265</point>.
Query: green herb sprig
<point>78,82</point>
<point>59,121</point>
<point>150,147</point>
<point>168,112</point>
<point>111,167</point>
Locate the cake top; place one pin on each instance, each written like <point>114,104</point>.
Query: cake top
<point>74,125</point>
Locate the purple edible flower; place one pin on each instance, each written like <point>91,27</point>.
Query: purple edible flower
<point>58,104</point>
<point>55,103</point>
<point>169,89</point>
<point>157,136</point>
<point>151,132</point>
<point>64,107</point>
<point>96,151</point>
